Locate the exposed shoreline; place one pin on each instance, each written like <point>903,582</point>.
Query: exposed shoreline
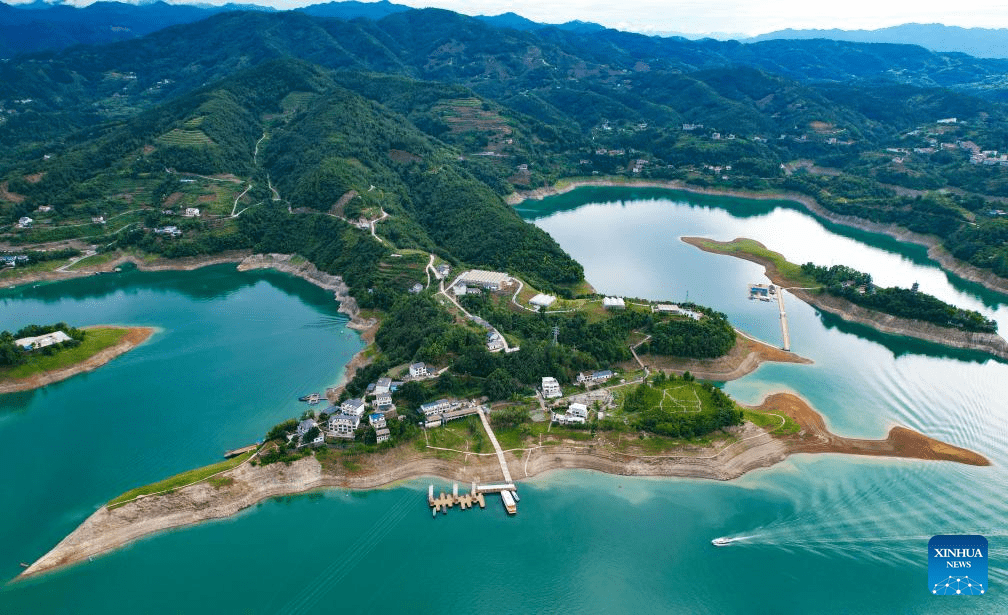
<point>743,359</point>
<point>988,343</point>
<point>133,338</point>
<point>935,250</point>
<point>752,448</point>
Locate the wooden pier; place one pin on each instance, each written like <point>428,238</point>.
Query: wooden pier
<point>444,501</point>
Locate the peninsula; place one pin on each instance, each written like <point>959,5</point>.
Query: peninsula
<point>802,283</point>
<point>100,345</point>
<point>789,426</point>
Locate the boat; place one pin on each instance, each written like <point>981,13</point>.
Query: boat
<point>722,542</point>
<point>514,494</point>
<point>309,397</point>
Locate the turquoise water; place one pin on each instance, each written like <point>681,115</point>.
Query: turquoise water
<point>823,533</point>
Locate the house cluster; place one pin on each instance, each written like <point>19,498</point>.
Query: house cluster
<point>439,412</point>
<point>594,377</point>
<point>576,414</point>
<point>639,165</point>
<point>13,260</point>
<point>41,341</point>
<point>344,420</point>
<point>610,152</point>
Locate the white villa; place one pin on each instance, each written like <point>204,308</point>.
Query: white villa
<point>41,341</point>
<point>25,222</point>
<point>353,406</point>
<point>377,420</point>
<point>382,434</point>
<point>382,401</point>
<point>551,388</point>
<point>578,410</point>
<point>344,425</point>
<point>191,212</point>
<point>384,385</point>
<point>418,370</point>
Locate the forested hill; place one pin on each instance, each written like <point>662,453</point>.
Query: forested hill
<point>889,133</point>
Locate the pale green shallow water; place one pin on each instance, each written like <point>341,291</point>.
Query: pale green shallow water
<point>828,534</point>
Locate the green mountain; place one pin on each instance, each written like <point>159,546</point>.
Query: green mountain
<point>444,114</point>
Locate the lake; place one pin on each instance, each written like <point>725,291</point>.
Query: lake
<point>234,350</point>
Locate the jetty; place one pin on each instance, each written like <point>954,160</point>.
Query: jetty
<point>507,490</point>
<point>240,451</point>
<point>767,292</point>
<point>783,323</point>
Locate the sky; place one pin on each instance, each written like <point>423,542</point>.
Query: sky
<point>747,17</point>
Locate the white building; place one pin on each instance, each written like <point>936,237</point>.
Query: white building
<point>41,341</point>
<point>191,212</point>
<point>494,341</point>
<point>567,419</point>
<point>460,289</point>
<point>25,222</point>
<point>551,388</point>
<point>384,385</point>
<point>489,280</point>
<point>613,303</point>
<point>592,378</point>
<point>382,435</point>
<point>579,410</point>
<point>382,401</point>
<point>44,209</point>
<point>542,301</point>
<point>344,425</point>
<point>377,420</point>
<point>353,406</point>
<point>437,407</point>
<point>418,370</point>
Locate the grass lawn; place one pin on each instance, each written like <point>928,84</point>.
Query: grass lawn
<point>181,480</point>
<point>772,423</point>
<point>9,273</point>
<point>789,270</point>
<point>94,342</point>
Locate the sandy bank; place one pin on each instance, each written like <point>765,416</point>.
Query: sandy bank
<point>133,338</point>
<point>748,448</point>
<point>936,251</point>
<point>989,343</point>
<point>901,442</point>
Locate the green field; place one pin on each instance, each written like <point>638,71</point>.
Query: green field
<point>772,423</point>
<point>787,269</point>
<point>94,342</point>
<point>185,138</point>
<point>182,480</point>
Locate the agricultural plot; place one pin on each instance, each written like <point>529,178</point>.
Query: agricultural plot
<point>185,138</point>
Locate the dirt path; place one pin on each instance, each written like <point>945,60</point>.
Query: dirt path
<point>132,339</point>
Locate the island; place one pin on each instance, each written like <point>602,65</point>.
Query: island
<point>666,426</point>
<point>851,295</point>
<point>37,355</point>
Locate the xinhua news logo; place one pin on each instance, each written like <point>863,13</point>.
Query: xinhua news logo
<point>957,565</point>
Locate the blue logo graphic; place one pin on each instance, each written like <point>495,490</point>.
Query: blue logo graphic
<point>957,565</point>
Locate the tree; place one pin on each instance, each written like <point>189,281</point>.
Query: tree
<point>499,385</point>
